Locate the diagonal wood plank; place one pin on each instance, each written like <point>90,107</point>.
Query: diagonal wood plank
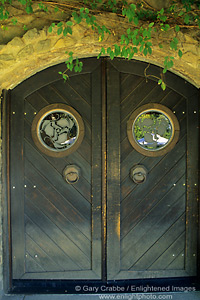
<point>41,256</point>
<point>47,170</point>
<point>65,92</point>
<point>160,246</point>
<point>56,216</point>
<point>129,83</point>
<point>145,236</point>
<point>139,93</point>
<point>57,199</point>
<point>157,168</point>
<point>173,182</point>
<point>178,261</point>
<point>170,255</point>
<point>57,235</point>
<point>81,85</point>
<point>48,245</point>
<point>31,265</point>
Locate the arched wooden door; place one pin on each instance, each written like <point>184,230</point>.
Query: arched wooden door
<point>105,226</point>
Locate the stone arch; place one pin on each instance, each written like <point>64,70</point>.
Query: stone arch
<point>24,56</point>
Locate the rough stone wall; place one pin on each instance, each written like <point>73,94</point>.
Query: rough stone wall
<point>24,55</point>
<point>37,49</point>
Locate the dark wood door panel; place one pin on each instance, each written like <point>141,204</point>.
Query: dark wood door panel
<point>59,221</point>
<point>152,231</point>
<point>61,230</point>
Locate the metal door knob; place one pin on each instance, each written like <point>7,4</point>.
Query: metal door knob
<point>138,174</point>
<point>71,174</point>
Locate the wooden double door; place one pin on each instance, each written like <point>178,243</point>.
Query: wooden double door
<point>106,226</point>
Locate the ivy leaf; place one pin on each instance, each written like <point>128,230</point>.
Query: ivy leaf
<point>60,24</point>
<point>145,51</point>
<point>150,50</point>
<point>108,50</point>
<point>177,28</point>
<point>161,11</point>
<point>65,32</point>
<point>103,51</point>
<point>164,70</point>
<point>159,81</point>
<point>151,24</point>
<point>29,9</point>
<point>50,29</point>
<point>187,19</point>
<point>128,31</point>
<point>69,23</point>
<point>59,31</point>
<point>23,2</point>
<point>112,55</point>
<point>163,86</point>
<point>133,6</point>
<point>69,30</point>
<point>135,50</point>
<point>117,50</point>
<point>136,21</point>
<point>65,76</point>
<point>180,53</point>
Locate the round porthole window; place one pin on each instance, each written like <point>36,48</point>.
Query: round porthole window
<point>153,129</point>
<point>57,130</point>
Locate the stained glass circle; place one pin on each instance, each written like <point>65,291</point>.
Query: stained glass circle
<point>57,130</point>
<point>153,129</point>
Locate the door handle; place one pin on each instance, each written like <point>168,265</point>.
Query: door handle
<point>71,174</point>
<point>138,174</point>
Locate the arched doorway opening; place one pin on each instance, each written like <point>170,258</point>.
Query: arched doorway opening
<point>103,178</point>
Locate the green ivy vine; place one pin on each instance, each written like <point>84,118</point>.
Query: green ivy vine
<point>143,20</point>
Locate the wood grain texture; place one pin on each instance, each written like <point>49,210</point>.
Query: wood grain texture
<point>61,236</point>
<point>61,231</point>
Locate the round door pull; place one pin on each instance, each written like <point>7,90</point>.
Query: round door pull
<point>71,174</point>
<point>138,174</point>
